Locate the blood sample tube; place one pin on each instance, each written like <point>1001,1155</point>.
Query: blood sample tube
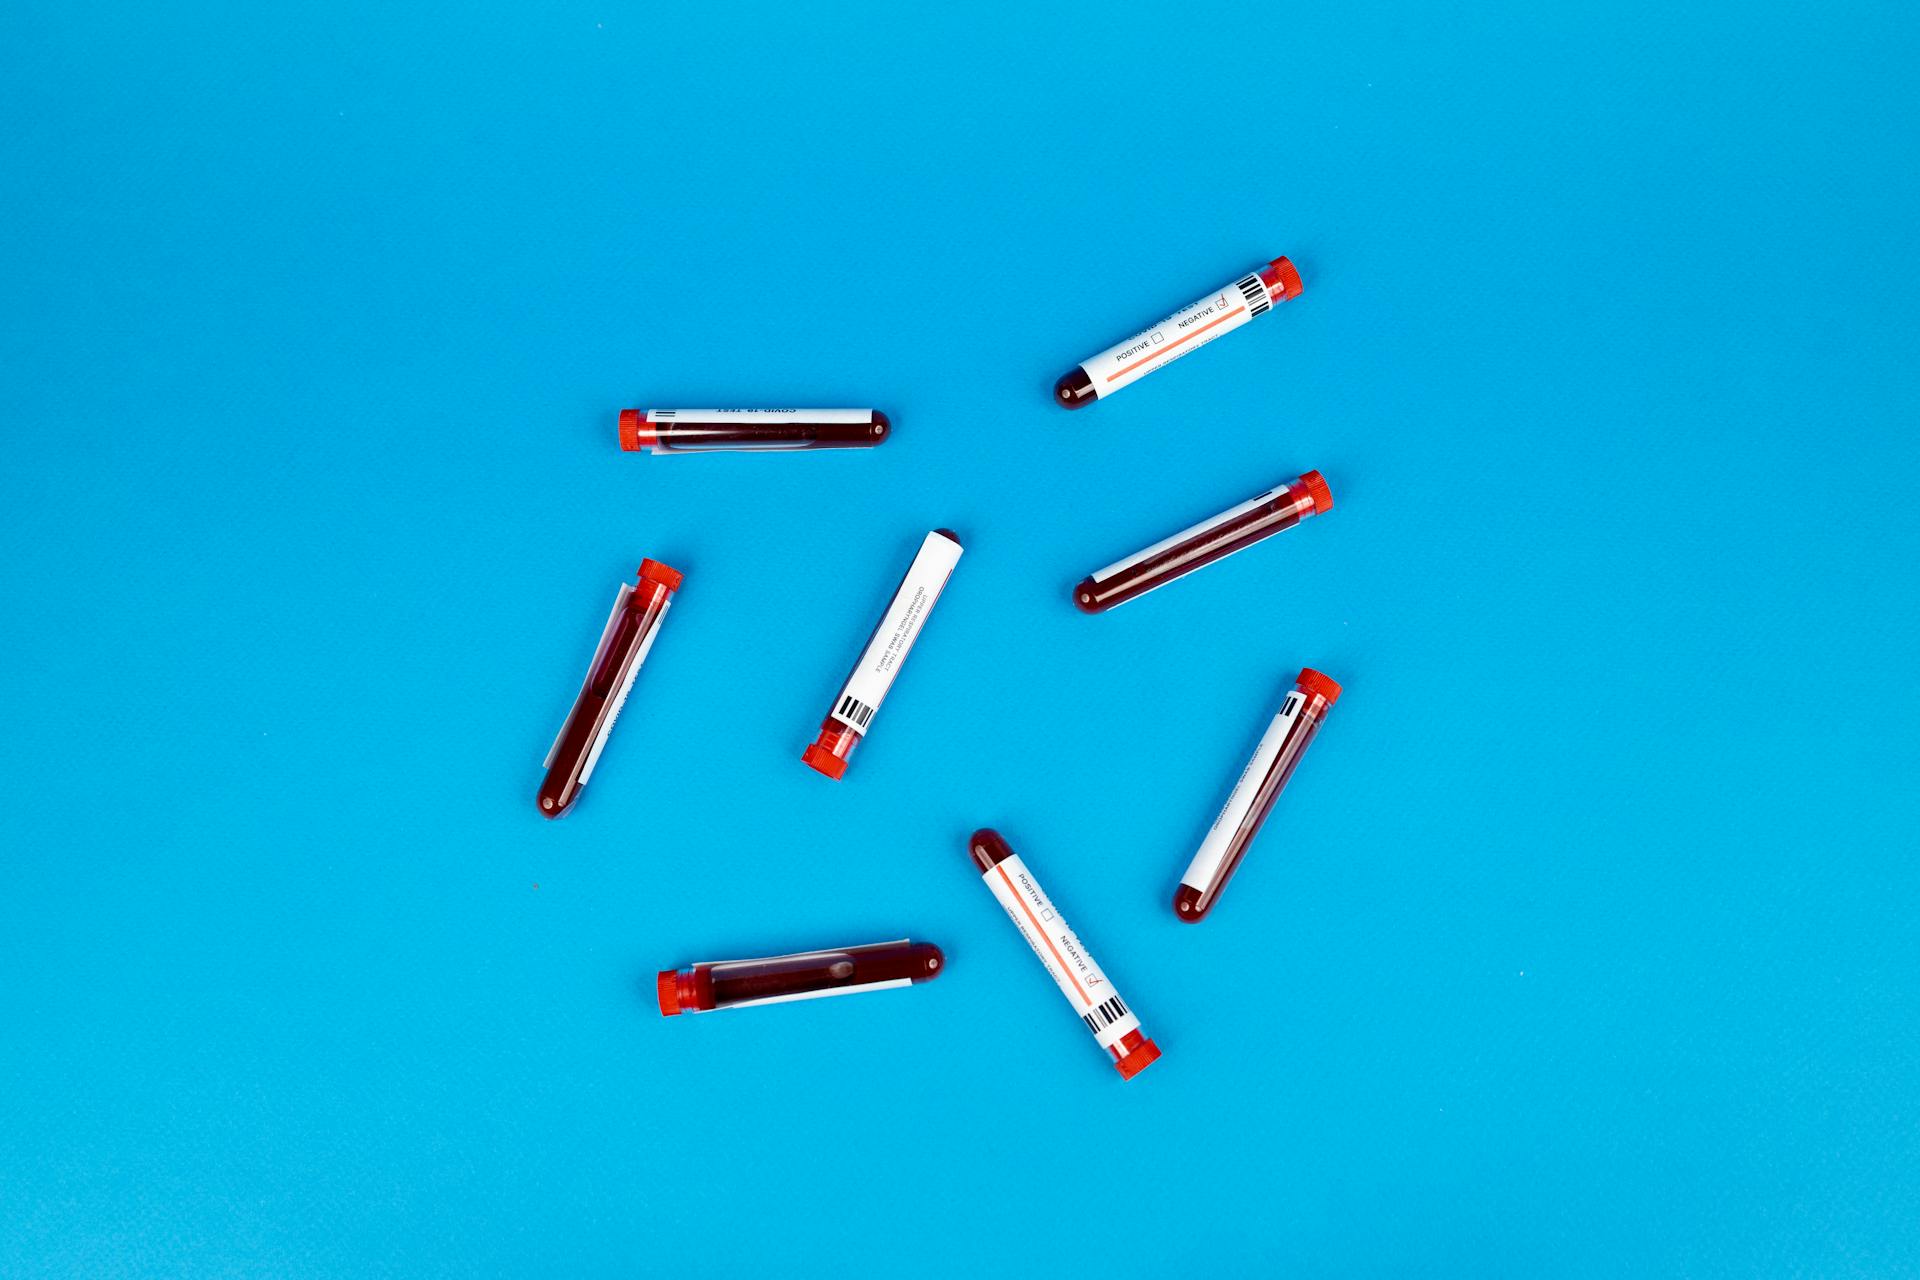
<point>1232,530</point>
<point>1251,800</point>
<point>1185,331</point>
<point>1066,959</point>
<point>724,430</point>
<point>886,650</point>
<point>733,984</point>
<point>629,633</point>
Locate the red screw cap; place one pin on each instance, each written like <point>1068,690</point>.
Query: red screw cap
<point>634,433</point>
<point>1317,487</point>
<point>1143,1056</point>
<point>654,571</point>
<point>818,758</point>
<point>1290,286</point>
<point>1317,682</point>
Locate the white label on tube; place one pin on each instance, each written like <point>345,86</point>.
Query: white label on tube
<point>1213,850</point>
<point>759,415</point>
<point>1187,329</point>
<point>899,628</point>
<point>1080,980</point>
<point>830,991</point>
<point>626,687</point>
<point>1191,531</point>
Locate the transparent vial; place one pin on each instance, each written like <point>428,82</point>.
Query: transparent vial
<point>1180,334</point>
<point>751,430</point>
<point>630,632</point>
<point>1065,958</point>
<point>734,984</point>
<point>1285,741</point>
<point>854,707</point>
<point>1214,538</point>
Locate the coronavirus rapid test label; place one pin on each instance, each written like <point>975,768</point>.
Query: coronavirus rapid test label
<point>1186,330</point>
<point>899,627</point>
<point>748,416</point>
<point>1080,979</point>
<point>1203,871</point>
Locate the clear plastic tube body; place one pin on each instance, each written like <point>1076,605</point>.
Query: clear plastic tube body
<point>1234,529</point>
<point>1182,333</point>
<point>1280,748</point>
<point>750,430</point>
<point>886,650</point>
<point>731,984</point>
<point>629,634</point>
<point>1066,959</point>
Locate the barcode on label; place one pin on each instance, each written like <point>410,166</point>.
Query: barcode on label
<point>1255,294</point>
<point>855,711</point>
<point>1106,1014</point>
<point>661,415</point>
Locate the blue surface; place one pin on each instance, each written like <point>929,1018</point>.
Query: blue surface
<point>1582,944</point>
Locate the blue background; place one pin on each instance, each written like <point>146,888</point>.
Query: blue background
<point>1582,943</point>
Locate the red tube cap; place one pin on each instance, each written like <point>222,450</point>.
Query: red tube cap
<point>1317,487</point>
<point>667,987</point>
<point>635,433</point>
<point>819,758</point>
<point>1143,1056</point>
<point>1317,682</point>
<point>654,571</point>
<point>1290,286</point>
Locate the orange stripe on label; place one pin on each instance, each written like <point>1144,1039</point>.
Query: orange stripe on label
<point>1040,933</point>
<point>1122,370</point>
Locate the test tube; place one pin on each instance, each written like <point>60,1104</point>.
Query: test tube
<point>1232,530</point>
<point>1185,331</point>
<point>630,631</point>
<point>738,430</point>
<point>1065,957</point>
<point>886,650</point>
<point>734,984</point>
<point>1251,800</point>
